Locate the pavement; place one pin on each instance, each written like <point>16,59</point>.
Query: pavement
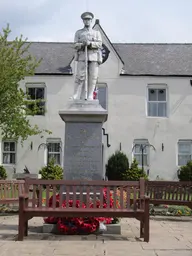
<point>167,237</point>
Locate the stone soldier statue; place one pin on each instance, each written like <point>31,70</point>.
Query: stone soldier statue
<point>88,44</point>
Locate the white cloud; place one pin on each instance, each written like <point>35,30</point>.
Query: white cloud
<point>123,20</point>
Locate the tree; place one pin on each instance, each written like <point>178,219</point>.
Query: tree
<point>185,172</point>
<point>134,172</point>
<point>16,63</point>
<point>52,171</point>
<point>117,166</point>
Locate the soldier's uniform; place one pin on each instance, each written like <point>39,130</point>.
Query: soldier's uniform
<point>94,58</point>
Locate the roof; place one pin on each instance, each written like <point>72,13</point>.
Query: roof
<point>139,59</point>
<point>56,57</point>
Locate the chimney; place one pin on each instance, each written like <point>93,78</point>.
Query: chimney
<point>97,21</point>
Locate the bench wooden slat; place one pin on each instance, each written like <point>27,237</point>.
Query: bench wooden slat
<point>74,196</point>
<point>40,196</point>
<point>88,197</point>
<point>69,209</point>
<point>134,198</point>
<point>54,196</point>
<point>101,196</point>
<point>180,193</point>
<point>34,195</point>
<point>61,196</point>
<point>184,193</point>
<point>188,194</point>
<point>13,190</point>
<point>47,196</point>
<point>82,182</point>
<point>128,197</point>
<point>108,197</point>
<point>168,193</point>
<point>94,196</point>
<point>121,198</point>
<point>1,192</point>
<point>81,190</point>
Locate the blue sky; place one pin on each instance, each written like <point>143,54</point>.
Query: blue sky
<point>131,21</point>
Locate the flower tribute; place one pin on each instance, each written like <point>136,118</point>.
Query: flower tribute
<point>85,225</point>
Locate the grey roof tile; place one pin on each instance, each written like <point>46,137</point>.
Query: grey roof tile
<point>156,59</point>
<point>139,59</point>
<point>56,57</point>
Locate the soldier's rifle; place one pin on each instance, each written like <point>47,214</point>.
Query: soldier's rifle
<point>86,73</point>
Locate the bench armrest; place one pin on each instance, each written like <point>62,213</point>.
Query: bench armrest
<point>24,196</point>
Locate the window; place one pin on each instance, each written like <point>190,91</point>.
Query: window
<point>157,102</point>
<point>9,152</point>
<point>54,151</point>
<point>184,151</point>
<point>137,151</point>
<point>36,93</point>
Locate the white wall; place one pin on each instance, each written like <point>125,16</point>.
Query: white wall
<point>58,90</point>
<point>127,120</point>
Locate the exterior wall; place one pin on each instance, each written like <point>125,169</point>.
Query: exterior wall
<point>127,120</point>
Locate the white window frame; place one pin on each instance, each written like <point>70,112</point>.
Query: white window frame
<point>144,142</point>
<point>8,152</point>
<point>54,140</point>
<point>186,141</point>
<point>38,85</point>
<point>157,87</point>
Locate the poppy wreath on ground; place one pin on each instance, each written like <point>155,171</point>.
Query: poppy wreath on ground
<point>75,226</point>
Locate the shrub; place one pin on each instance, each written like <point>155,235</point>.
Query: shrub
<point>117,166</point>
<point>185,172</point>
<point>134,173</point>
<point>3,173</point>
<point>51,171</point>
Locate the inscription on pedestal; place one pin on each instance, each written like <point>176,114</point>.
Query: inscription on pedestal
<point>83,151</point>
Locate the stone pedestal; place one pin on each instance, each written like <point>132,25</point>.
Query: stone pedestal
<point>83,140</point>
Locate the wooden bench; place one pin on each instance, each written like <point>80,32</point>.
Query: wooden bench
<point>136,204</point>
<point>10,191</point>
<point>170,192</point>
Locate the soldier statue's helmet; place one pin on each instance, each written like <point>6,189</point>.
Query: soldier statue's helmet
<point>87,15</point>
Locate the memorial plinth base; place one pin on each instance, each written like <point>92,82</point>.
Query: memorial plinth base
<point>113,229</point>
<point>83,140</point>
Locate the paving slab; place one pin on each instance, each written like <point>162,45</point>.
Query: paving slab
<point>167,238</point>
<point>174,253</point>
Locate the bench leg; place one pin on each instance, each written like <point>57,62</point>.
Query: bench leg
<point>141,228</point>
<point>21,229</point>
<point>21,226</point>
<point>146,222</point>
<point>146,227</point>
<point>26,228</point>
